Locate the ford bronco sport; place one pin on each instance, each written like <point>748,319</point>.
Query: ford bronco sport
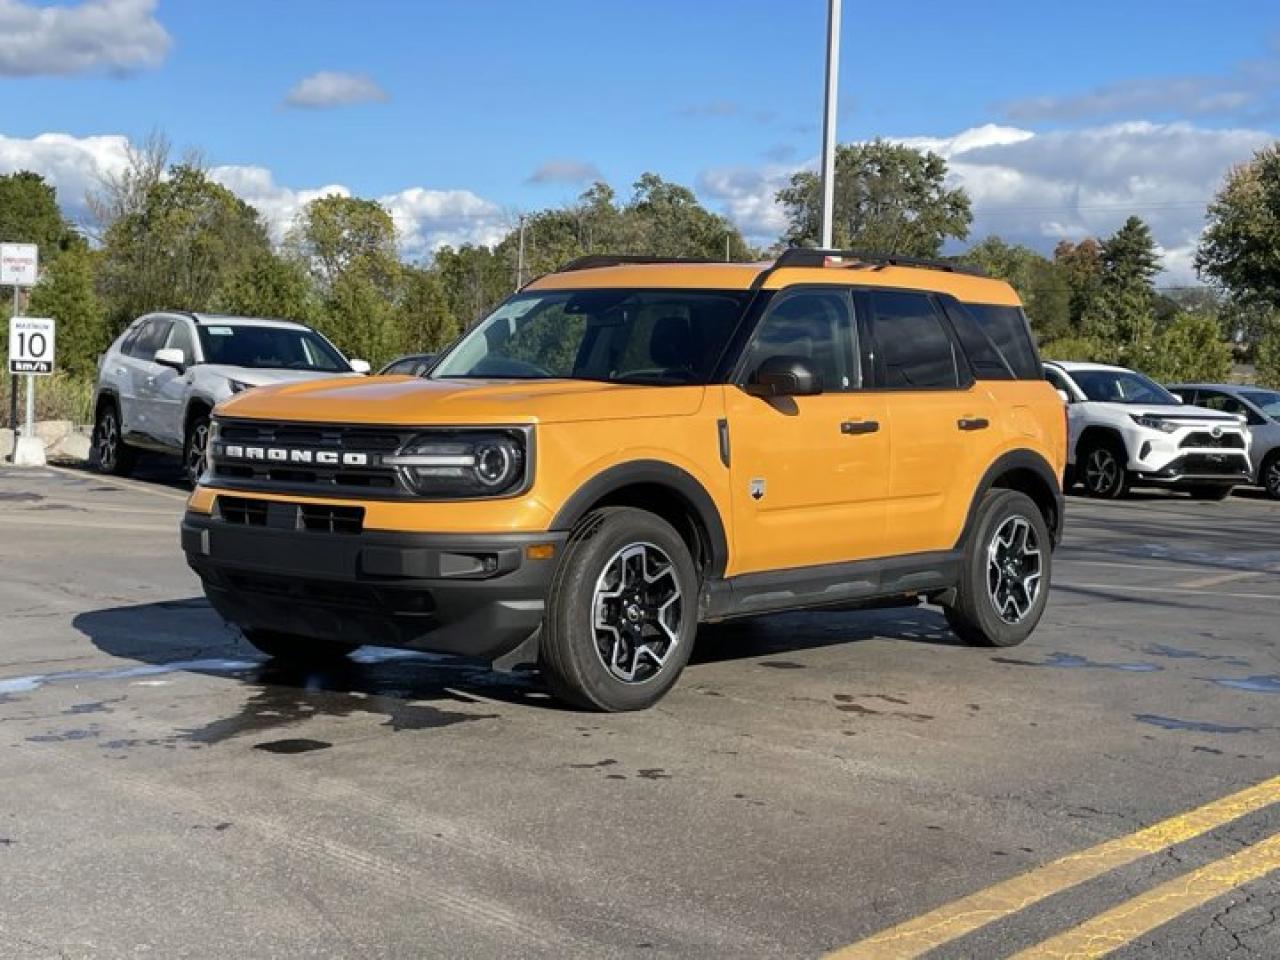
<point>627,448</point>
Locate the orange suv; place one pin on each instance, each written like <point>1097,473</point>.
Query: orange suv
<point>630,447</point>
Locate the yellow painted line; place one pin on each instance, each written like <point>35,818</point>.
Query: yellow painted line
<point>1217,579</point>
<point>1121,925</point>
<point>960,917</point>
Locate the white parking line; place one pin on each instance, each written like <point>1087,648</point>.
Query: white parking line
<point>9,520</point>
<point>1117,588</point>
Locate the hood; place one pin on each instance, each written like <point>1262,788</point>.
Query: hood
<point>261,377</point>
<point>413,401</point>
<point>1182,413</point>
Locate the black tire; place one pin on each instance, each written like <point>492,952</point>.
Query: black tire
<point>630,567</point>
<point>291,648</point>
<point>1269,475</point>
<point>193,448</point>
<point>1209,491</point>
<point>110,453</point>
<point>976,616</point>
<point>1101,468</point>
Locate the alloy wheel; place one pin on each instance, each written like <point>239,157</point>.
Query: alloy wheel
<point>196,450</point>
<point>637,611</point>
<point>1101,471</point>
<point>1272,479</point>
<point>108,441</point>
<point>1014,567</point>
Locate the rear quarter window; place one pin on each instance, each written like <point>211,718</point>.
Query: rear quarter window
<point>1007,329</point>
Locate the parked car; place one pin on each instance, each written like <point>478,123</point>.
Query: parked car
<point>628,448</point>
<point>1127,430</point>
<point>410,365</point>
<point>1261,409</point>
<point>160,379</point>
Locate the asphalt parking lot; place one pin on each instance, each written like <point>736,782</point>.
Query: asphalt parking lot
<point>814,780</point>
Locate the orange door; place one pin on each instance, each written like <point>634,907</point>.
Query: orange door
<point>809,474</point>
<point>945,427</point>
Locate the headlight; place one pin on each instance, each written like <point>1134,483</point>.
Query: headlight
<point>1153,423</point>
<point>237,386</point>
<point>464,464</point>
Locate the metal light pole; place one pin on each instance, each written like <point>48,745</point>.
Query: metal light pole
<point>520,257</point>
<point>829,122</point>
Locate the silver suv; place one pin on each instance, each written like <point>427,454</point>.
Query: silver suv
<point>160,379</point>
<point>1260,408</point>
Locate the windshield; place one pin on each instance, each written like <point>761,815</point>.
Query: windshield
<point>1121,386</point>
<point>616,335</point>
<point>1268,401</point>
<point>283,348</point>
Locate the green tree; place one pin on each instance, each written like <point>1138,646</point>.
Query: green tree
<point>1044,293</point>
<point>1190,348</point>
<point>423,320</point>
<point>1080,267</point>
<point>338,236</point>
<point>1240,247</point>
<point>1268,359</point>
<point>66,293</point>
<point>29,213</point>
<point>268,286</point>
<point>666,220</point>
<point>179,248</point>
<point>889,198</point>
<point>475,280</point>
<point>1123,313</point>
<point>360,319</point>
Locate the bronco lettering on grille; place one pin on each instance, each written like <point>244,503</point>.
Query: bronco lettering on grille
<point>327,458</point>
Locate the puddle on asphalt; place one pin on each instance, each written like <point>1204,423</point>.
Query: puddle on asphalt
<point>1075,661</point>
<point>10,497</point>
<point>1260,684</point>
<point>1197,726</point>
<point>298,745</point>
<point>1173,653</point>
<point>11,685</point>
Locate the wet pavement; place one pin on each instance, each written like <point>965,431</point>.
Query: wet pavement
<point>812,780</point>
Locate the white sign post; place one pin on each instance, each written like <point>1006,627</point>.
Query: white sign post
<point>30,349</point>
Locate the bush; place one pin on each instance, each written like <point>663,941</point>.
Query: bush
<point>58,397</point>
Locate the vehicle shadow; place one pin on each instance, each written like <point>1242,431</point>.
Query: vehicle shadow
<point>411,691</point>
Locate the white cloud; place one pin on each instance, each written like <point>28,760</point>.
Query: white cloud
<point>332,89</point>
<point>565,171</point>
<point>425,218</point>
<point>1038,188</point>
<point>117,35</point>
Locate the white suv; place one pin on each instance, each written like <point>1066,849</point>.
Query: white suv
<point>160,379</point>
<point>1127,429</point>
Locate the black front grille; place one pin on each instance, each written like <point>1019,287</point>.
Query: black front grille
<point>279,515</point>
<point>1206,440</point>
<point>242,511</point>
<point>299,459</point>
<point>326,518</point>
<point>1205,464</point>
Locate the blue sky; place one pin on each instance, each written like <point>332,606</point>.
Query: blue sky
<point>1065,113</point>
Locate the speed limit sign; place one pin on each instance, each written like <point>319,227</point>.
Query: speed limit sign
<point>31,345</point>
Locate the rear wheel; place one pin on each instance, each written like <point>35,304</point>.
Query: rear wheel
<point>291,648</point>
<point>1104,473</point>
<point>621,613</point>
<point>110,453</point>
<point>1004,577</point>
<point>1270,475</point>
<point>1209,491</point>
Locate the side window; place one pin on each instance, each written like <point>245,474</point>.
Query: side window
<point>912,349</point>
<point>150,338</point>
<point>986,359</point>
<point>131,337</point>
<point>1008,330</point>
<point>1225,403</point>
<point>813,325</point>
<point>180,339</point>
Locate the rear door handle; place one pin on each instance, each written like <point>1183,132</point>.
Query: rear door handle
<point>854,427</point>
<point>973,423</point>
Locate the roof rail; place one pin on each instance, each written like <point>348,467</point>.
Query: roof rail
<point>810,257</point>
<point>593,260</point>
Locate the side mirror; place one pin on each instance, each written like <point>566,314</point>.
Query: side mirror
<point>1177,398</point>
<point>360,366</point>
<point>785,377</point>
<point>1066,397</point>
<point>171,357</point>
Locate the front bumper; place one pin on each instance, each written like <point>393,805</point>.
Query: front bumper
<point>474,595</point>
<point>1202,467</point>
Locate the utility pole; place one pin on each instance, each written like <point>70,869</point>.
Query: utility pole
<point>520,257</point>
<point>829,122</point>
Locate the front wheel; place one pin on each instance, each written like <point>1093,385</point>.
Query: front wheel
<point>621,612</point>
<point>194,448</point>
<point>1270,475</point>
<point>1104,474</point>
<point>1004,576</point>
<point>290,648</point>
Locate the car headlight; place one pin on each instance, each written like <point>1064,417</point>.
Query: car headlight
<point>1153,423</point>
<point>479,464</point>
<point>238,386</point>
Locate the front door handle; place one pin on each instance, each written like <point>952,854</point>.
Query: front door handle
<point>973,423</point>
<point>854,427</point>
